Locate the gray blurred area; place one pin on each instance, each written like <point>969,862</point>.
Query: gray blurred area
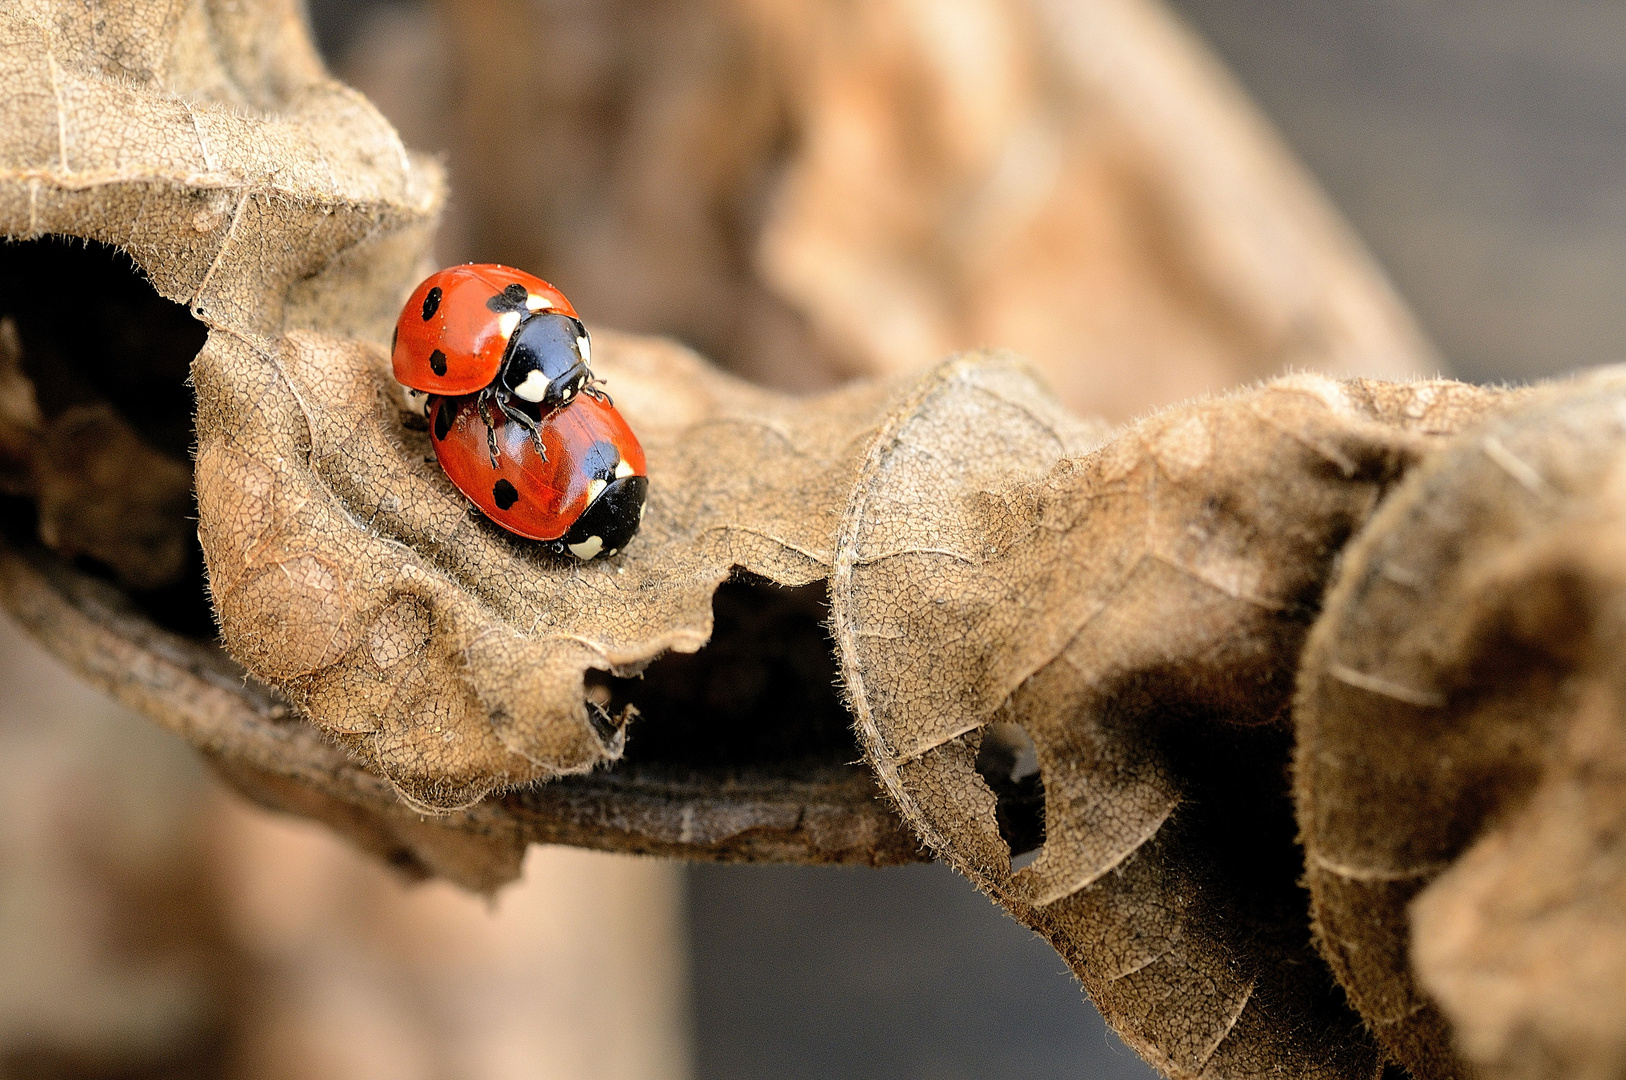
<point>804,972</point>
<point>1478,149</point>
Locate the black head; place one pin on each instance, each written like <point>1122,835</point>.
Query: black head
<point>547,360</point>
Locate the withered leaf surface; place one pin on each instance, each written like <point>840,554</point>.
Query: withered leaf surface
<point>206,141</point>
<point>1136,608</point>
<point>209,144</point>
<point>1460,742</point>
<point>349,571</point>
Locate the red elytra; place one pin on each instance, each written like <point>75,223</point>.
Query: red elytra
<point>586,496</point>
<point>450,338</point>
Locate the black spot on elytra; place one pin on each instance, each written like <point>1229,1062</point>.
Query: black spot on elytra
<point>443,421</point>
<point>614,516</point>
<point>437,362</point>
<point>505,494</point>
<point>431,303</point>
<point>510,299</point>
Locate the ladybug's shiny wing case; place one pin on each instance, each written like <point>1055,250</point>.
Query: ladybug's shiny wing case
<point>590,450</point>
<point>593,431</point>
<point>521,492</point>
<point>455,326</point>
<point>447,341</point>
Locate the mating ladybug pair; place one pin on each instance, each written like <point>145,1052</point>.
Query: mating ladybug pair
<point>515,415</point>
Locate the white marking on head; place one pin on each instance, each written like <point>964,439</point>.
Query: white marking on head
<point>587,548</point>
<point>506,323</point>
<point>641,508</point>
<point>612,551</point>
<point>585,347</point>
<point>534,388</point>
<point>594,488</point>
<point>536,302</point>
<point>622,469</point>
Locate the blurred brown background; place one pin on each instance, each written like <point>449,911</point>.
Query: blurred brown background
<point>152,925</point>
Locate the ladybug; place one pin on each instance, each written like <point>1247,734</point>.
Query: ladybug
<point>584,496</point>
<point>500,361</point>
<point>497,332</point>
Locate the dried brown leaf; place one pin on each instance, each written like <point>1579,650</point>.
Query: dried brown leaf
<point>347,569</point>
<point>1136,608</point>
<point>1460,746</point>
<point>208,143</point>
<point>211,146</point>
<point>1000,573</point>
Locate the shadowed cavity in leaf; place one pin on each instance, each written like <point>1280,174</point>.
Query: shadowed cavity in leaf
<point>106,467</point>
<point>1008,763</point>
<point>761,694</point>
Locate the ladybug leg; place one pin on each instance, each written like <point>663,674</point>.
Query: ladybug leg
<point>592,388</point>
<point>524,421</point>
<point>491,443</point>
<point>483,405</point>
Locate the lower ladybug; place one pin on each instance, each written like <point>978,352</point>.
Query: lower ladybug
<point>573,477</point>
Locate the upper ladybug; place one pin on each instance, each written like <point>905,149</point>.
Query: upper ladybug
<point>491,329</point>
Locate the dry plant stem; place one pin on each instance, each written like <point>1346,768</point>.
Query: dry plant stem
<point>252,736</point>
<point>1137,609</point>
<point>1460,745</point>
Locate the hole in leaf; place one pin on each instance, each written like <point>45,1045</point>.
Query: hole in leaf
<point>107,360</point>
<point>94,329</point>
<point>760,696</point>
<point>1009,763</point>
